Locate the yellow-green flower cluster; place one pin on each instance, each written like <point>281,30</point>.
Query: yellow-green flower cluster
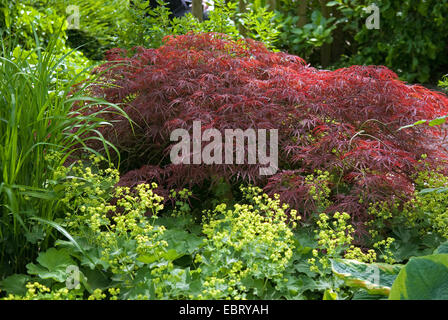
<point>381,213</point>
<point>97,295</point>
<point>334,235</point>
<point>387,254</point>
<point>247,241</point>
<point>371,256</point>
<point>182,207</point>
<point>318,188</point>
<point>430,206</point>
<point>114,292</point>
<point>426,212</point>
<point>86,191</point>
<point>37,291</point>
<point>356,253</point>
<point>125,231</point>
<point>129,225</point>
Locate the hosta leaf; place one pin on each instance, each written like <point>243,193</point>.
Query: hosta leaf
<point>443,248</point>
<point>364,295</point>
<point>376,278</point>
<point>430,190</point>
<point>423,278</point>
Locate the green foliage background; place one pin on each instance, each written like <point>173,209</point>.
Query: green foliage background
<point>411,40</point>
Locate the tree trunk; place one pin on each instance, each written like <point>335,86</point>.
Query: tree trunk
<point>197,10</point>
<point>302,13</point>
<point>325,53</point>
<point>242,8</point>
<point>339,37</point>
<point>272,5</point>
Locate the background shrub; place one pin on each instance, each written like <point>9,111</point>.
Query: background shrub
<point>411,40</point>
<point>100,24</point>
<point>32,26</point>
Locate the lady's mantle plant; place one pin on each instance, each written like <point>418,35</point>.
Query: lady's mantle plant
<point>248,247</point>
<point>122,253</point>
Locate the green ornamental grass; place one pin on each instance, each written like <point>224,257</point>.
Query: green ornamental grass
<point>37,119</point>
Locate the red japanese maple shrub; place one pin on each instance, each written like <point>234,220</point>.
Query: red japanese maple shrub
<point>345,121</point>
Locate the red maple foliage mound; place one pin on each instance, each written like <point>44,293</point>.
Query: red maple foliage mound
<point>345,121</point>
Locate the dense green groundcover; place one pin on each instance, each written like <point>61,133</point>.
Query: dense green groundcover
<point>68,231</point>
<point>132,248</point>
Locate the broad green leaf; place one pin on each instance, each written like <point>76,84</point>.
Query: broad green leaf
<point>423,278</point>
<point>90,256</point>
<point>94,279</point>
<point>53,264</point>
<point>141,285</point>
<point>148,259</point>
<point>258,285</point>
<point>36,234</point>
<point>64,232</point>
<point>172,255</point>
<point>304,267</point>
<point>15,284</point>
<point>376,278</point>
<point>182,241</point>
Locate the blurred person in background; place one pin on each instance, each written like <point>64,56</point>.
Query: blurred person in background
<point>178,8</point>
